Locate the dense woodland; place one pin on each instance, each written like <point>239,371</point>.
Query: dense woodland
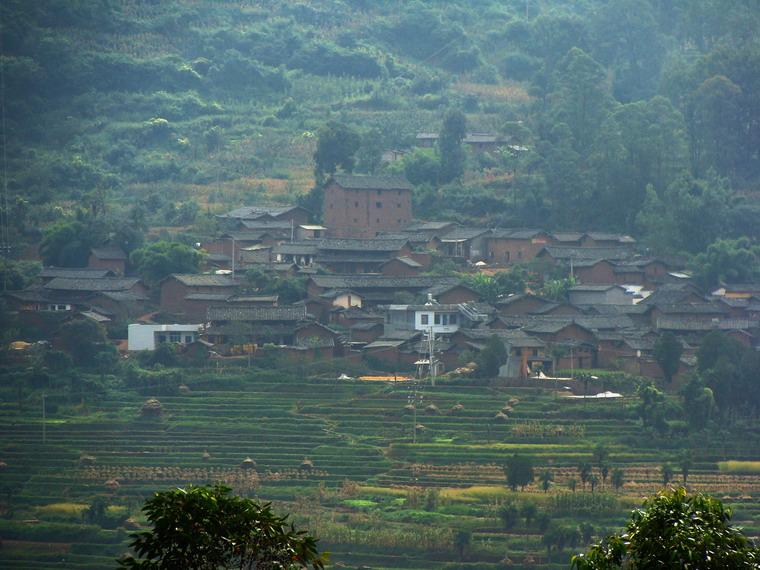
<point>638,117</point>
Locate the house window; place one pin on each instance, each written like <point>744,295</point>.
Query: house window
<point>161,338</point>
<point>437,319</point>
<point>506,256</point>
<point>188,339</point>
<point>331,206</point>
<point>377,220</point>
<point>424,319</point>
<point>535,352</point>
<point>519,254</point>
<point>453,319</point>
<point>399,192</point>
<point>356,221</point>
<point>378,204</point>
<point>356,204</point>
<point>175,337</point>
<point>398,204</point>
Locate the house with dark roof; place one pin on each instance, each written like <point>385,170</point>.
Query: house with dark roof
<point>378,289</point>
<point>401,266</point>
<point>292,215</point>
<point>363,206</point>
<point>189,295</point>
<point>465,243</point>
<point>110,257</point>
<point>354,255</point>
<point>506,246</point>
<point>599,295</point>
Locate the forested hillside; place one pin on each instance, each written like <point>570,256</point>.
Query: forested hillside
<point>637,116</point>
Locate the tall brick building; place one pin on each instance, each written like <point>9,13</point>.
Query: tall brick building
<point>362,206</point>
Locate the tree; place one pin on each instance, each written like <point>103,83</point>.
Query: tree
<point>546,479</point>
<point>698,403</point>
<point>162,258</point>
<point>572,484</point>
<point>674,530</point>
<point>731,261</point>
<point>667,353</point>
<point>528,511</point>
<point>594,481</point>
<point>450,148</point>
<point>336,147</point>
<point>584,471</point>
<point>508,513</point>
<point>618,478</point>
<point>462,541</point>
<point>652,408</point>
<point>83,339</point>
<point>66,244</point>
<point>209,528</point>
<point>666,471</point>
<point>491,358</point>
<point>685,462</point>
<point>519,471</point>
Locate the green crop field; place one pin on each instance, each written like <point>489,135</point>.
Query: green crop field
<point>375,493</point>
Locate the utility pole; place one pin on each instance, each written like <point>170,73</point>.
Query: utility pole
<point>233,257</point>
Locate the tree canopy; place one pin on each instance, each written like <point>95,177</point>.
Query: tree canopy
<point>162,258</point>
<point>674,530</point>
<point>209,528</point>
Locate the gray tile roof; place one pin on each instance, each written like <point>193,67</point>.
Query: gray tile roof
<point>588,253</point>
<point>203,280</point>
<point>257,313</point>
<point>253,212</point>
<point>354,182</point>
<point>86,284</point>
<point>74,272</point>
<point>109,252</point>
<point>354,244</point>
<point>381,282</point>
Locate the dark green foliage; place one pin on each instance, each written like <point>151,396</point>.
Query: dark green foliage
<point>653,408</point>
<point>336,146</point>
<point>208,527</point>
<point>67,244</point>
<point>730,261</point>
<point>519,471</point>
<point>509,514</point>
<point>450,148</point>
<point>162,258</point>
<point>83,339</point>
<point>491,358</point>
<point>667,353</point>
<point>674,530</point>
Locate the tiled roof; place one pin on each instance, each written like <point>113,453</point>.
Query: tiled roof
<point>85,284</point>
<point>266,224</point>
<point>353,182</point>
<point>352,244</point>
<point>109,252</point>
<point>253,212</point>
<point>203,280</point>
<point>588,253</point>
<point>592,288</point>
<point>515,233</point>
<point>381,282</point>
<point>463,234</point>
<point>233,313</point>
<point>408,261</point>
<point>206,297</point>
<point>296,248</point>
<point>74,272</point>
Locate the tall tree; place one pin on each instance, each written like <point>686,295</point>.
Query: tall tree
<point>674,530</point>
<point>162,258</point>
<point>519,471</point>
<point>336,147</point>
<point>209,528</point>
<point>450,148</point>
<point>667,352</point>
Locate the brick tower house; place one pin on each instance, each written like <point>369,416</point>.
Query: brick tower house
<point>362,206</point>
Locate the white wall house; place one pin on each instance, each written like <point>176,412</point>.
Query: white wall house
<point>147,337</point>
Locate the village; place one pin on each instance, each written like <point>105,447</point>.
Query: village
<point>383,288</point>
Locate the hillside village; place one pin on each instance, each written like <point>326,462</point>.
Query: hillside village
<point>379,286</point>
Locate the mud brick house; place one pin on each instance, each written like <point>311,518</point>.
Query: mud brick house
<point>521,304</point>
<point>190,295</point>
<point>352,255</point>
<point>570,256</point>
<point>302,253</point>
<point>108,257</point>
<point>82,288</point>
<point>526,353</point>
<point>261,325</point>
<point>453,293</point>
<point>119,305</point>
<point>465,243</point>
<point>507,246</point>
<point>478,141</point>
<point>377,289</point>
<point>363,206</point>
<point>403,266</point>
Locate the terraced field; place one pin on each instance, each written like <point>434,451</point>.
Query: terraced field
<point>383,484</point>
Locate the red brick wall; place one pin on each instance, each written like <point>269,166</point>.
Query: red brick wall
<point>395,268</point>
<point>115,265</point>
<point>364,213</point>
<point>457,295</point>
<point>510,250</point>
<point>601,273</point>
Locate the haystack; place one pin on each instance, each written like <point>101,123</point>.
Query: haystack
<point>205,456</point>
<point>248,463</point>
<point>306,464</point>
<point>183,389</point>
<point>432,409</point>
<point>86,460</point>
<point>456,408</point>
<point>151,408</point>
<point>513,401</point>
<point>507,409</point>
<point>501,417</point>
<point>409,408</point>
<point>420,427</point>
<point>3,465</point>
<point>112,485</point>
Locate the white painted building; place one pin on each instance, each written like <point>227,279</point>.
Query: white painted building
<point>147,337</point>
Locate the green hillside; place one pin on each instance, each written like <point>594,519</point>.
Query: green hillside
<point>638,116</point>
